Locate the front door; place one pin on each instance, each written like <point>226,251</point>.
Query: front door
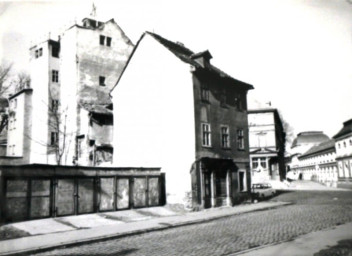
<point>221,188</point>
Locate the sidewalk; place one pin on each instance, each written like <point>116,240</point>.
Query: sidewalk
<point>309,244</point>
<point>53,233</point>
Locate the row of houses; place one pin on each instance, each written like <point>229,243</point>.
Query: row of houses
<point>319,158</point>
<point>98,101</point>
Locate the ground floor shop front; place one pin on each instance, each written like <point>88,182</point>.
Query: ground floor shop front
<point>219,182</point>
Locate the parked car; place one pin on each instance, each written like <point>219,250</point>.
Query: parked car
<point>262,190</point>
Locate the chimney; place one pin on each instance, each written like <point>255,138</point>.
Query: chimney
<point>202,58</point>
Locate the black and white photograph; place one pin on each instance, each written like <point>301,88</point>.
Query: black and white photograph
<point>172,128</point>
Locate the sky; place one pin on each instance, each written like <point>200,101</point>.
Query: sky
<point>296,53</point>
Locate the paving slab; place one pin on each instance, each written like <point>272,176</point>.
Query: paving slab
<point>88,221</point>
<point>42,226</point>
<point>157,211</point>
<point>127,216</point>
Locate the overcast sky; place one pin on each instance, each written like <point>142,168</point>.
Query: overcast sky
<point>297,54</point>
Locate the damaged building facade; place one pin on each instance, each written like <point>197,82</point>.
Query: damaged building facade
<point>63,115</point>
<point>175,110</point>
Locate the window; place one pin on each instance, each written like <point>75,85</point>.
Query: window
<point>206,135</point>
<point>204,93</point>
<point>54,105</point>
<point>350,142</point>
<point>54,139</point>
<point>225,137</point>
<point>102,40</point>
<point>263,162</point>
<point>105,40</point>
<point>108,41</point>
<point>55,76</point>
<point>344,144</point>
<point>254,162</point>
<point>55,51</point>
<point>240,139</point>
<point>38,53</point>
<point>102,80</point>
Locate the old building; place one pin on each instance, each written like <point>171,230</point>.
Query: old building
<point>173,109</point>
<point>301,144</point>
<point>343,144</point>
<point>319,164</point>
<point>266,145</point>
<point>47,120</point>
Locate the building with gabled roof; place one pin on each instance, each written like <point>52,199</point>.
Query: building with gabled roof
<point>173,109</point>
<point>266,145</point>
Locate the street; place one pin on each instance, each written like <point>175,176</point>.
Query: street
<point>310,211</point>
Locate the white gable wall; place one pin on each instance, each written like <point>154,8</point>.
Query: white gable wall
<point>154,116</point>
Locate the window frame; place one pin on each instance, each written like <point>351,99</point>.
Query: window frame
<point>54,76</point>
<point>225,137</point>
<point>240,139</point>
<point>206,134</point>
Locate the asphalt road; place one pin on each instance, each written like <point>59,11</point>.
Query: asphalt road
<point>311,211</point>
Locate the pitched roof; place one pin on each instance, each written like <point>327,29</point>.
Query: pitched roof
<point>186,56</point>
<point>346,129</point>
<point>312,137</point>
<point>326,145</point>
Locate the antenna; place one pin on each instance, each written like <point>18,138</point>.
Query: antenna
<point>93,13</point>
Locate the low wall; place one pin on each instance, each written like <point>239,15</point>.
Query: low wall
<point>39,191</point>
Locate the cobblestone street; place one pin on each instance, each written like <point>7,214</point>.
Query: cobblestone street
<point>311,211</point>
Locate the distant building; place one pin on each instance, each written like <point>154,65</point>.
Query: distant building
<point>266,145</point>
<point>47,120</point>
<point>319,163</point>
<point>301,144</point>
<point>173,109</point>
<point>343,144</point>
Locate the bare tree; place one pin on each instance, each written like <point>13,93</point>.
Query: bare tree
<point>59,138</point>
<point>5,73</point>
<point>289,131</point>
